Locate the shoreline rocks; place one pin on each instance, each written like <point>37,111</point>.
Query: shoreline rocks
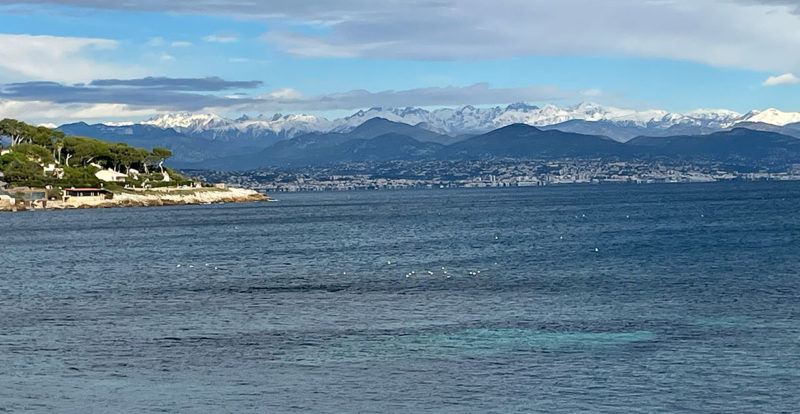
<point>168,197</point>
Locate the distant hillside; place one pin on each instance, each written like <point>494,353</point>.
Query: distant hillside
<point>379,126</point>
<point>524,141</point>
<point>198,137</point>
<point>788,129</point>
<point>624,131</point>
<point>375,140</point>
<point>738,145</point>
<point>593,119</point>
<point>370,142</point>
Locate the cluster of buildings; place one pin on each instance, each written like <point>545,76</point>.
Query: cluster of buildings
<point>494,173</point>
<point>22,198</point>
<point>16,198</point>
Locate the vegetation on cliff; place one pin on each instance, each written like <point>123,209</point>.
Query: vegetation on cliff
<point>40,156</point>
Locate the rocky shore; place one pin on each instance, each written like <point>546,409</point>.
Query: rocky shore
<point>155,197</point>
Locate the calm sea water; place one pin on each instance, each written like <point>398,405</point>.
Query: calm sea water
<point>655,298</point>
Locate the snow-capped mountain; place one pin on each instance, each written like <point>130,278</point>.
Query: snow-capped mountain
<point>411,116</point>
<point>552,115</point>
<point>721,117</point>
<point>618,123</point>
<point>770,116</point>
<point>200,137</point>
<point>187,122</point>
<point>469,119</point>
<point>284,125</point>
<point>216,127</point>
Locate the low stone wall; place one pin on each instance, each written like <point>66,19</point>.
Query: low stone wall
<point>76,202</point>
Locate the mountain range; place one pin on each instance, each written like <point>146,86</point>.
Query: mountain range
<point>379,139</point>
<point>215,141</point>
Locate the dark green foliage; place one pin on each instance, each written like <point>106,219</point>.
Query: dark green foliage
<point>11,157</point>
<point>78,177</point>
<point>46,137</point>
<point>35,152</point>
<point>177,178</point>
<point>16,131</point>
<point>159,155</point>
<point>18,169</point>
<point>83,150</point>
<point>33,147</point>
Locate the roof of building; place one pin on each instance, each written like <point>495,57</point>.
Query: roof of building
<point>85,189</point>
<point>112,172</point>
<point>26,190</point>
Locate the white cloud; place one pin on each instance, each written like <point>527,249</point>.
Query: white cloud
<point>65,59</point>
<point>478,94</point>
<point>41,112</point>
<point>166,56</point>
<point>747,34</point>
<point>180,44</point>
<point>785,79</point>
<point>126,106</point>
<point>222,38</point>
<point>286,93</point>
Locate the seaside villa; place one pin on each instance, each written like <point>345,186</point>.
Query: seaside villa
<point>85,192</point>
<point>80,196</point>
<point>111,176</point>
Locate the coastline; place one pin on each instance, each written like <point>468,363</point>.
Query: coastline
<point>151,198</point>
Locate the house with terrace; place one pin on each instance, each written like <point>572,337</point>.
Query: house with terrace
<point>111,176</point>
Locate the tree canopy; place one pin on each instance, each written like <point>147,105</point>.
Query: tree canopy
<point>34,147</point>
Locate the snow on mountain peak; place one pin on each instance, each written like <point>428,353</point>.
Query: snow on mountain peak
<point>186,121</point>
<point>770,116</point>
<point>469,119</point>
<point>722,115</point>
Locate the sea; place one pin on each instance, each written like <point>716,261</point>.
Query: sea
<point>662,298</point>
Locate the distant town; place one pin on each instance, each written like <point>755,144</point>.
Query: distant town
<point>488,173</point>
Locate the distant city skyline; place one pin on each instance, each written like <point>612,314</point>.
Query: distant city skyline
<point>71,60</point>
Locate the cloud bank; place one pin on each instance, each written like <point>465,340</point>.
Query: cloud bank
<point>51,100</point>
<point>477,94</point>
<point>748,34</point>
<point>109,92</point>
<point>57,58</point>
<point>212,83</point>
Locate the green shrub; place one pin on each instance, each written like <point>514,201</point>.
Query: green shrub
<point>20,171</point>
<point>35,152</point>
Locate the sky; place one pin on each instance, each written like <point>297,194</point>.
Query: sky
<point>98,60</point>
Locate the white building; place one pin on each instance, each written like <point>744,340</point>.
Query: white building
<point>51,169</point>
<point>111,176</point>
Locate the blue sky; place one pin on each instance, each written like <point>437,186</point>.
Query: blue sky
<point>338,56</point>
